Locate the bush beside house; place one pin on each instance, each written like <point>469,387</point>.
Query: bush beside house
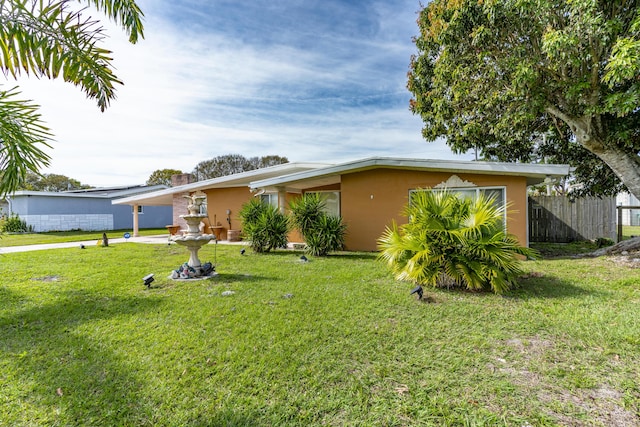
<point>451,241</point>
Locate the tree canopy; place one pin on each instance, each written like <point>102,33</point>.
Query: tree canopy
<point>162,176</point>
<point>229,164</point>
<point>535,80</point>
<point>52,39</point>
<point>50,182</point>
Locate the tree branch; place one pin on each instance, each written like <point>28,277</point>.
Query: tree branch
<point>581,128</point>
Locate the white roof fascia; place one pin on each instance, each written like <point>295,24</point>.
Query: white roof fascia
<point>456,166</point>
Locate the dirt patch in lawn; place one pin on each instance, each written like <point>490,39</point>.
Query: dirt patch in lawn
<point>626,259</point>
<point>601,405</point>
<point>46,279</point>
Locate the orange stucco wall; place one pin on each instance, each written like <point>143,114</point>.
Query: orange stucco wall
<point>369,200</point>
<point>221,199</point>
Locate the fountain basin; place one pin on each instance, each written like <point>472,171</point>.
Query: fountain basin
<point>193,239</point>
<point>193,245</point>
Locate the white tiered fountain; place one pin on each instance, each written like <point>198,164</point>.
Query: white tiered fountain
<point>193,239</point>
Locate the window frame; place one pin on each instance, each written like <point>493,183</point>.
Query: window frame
<point>272,196</point>
<point>477,190</point>
<point>338,193</point>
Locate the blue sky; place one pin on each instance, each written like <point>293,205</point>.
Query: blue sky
<point>309,80</point>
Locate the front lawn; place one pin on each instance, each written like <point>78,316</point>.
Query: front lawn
<point>334,341</point>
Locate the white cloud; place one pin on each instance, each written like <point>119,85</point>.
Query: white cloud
<point>188,99</point>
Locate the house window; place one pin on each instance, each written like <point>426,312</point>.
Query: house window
<point>498,193</point>
<point>270,199</point>
<point>331,200</point>
<point>140,209</point>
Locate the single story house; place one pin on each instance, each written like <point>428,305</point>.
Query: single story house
<point>88,209</point>
<point>225,195</point>
<point>367,193</point>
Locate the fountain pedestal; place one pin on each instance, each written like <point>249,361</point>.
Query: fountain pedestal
<point>192,238</point>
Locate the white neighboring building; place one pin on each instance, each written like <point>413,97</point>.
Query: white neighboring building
<point>629,216</point>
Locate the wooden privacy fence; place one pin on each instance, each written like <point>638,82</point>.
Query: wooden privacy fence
<point>557,219</point>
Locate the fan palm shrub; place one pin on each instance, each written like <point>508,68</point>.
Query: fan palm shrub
<point>451,241</point>
<point>264,225</point>
<point>323,233</point>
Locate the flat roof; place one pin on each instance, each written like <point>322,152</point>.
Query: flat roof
<point>535,173</point>
<point>93,193</point>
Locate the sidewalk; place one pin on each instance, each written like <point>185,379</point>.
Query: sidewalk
<point>162,239</point>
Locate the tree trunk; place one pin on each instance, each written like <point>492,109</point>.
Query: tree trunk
<point>625,166</point>
<point>626,245</point>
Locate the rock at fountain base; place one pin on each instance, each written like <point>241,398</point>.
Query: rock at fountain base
<point>187,272</point>
<point>192,279</point>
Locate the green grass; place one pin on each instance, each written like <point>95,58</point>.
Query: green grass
<point>630,230</point>
<point>20,239</point>
<point>552,250</point>
<point>335,341</point>
<point>555,250</point>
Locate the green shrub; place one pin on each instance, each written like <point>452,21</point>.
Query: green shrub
<point>451,241</point>
<point>603,242</point>
<point>306,212</point>
<point>322,233</point>
<point>264,225</point>
<point>13,224</point>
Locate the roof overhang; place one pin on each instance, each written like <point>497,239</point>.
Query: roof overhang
<point>534,173</point>
<point>93,193</point>
<point>243,179</point>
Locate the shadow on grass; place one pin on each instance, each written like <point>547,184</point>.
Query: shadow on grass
<point>549,287</point>
<point>530,288</point>
<point>59,370</point>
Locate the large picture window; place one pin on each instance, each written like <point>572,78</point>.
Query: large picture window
<point>332,202</point>
<point>499,194</point>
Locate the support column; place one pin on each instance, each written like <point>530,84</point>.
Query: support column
<point>135,221</point>
<point>282,199</point>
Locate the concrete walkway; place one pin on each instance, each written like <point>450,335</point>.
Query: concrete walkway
<point>161,239</point>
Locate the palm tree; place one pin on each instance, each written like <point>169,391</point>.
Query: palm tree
<point>453,241</point>
<point>52,39</point>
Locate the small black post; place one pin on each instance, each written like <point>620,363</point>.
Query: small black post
<point>619,224</point>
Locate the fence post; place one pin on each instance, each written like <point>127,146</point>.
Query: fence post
<point>619,224</point>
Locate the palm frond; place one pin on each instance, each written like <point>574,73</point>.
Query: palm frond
<point>50,39</point>
<point>124,12</point>
<point>22,134</point>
